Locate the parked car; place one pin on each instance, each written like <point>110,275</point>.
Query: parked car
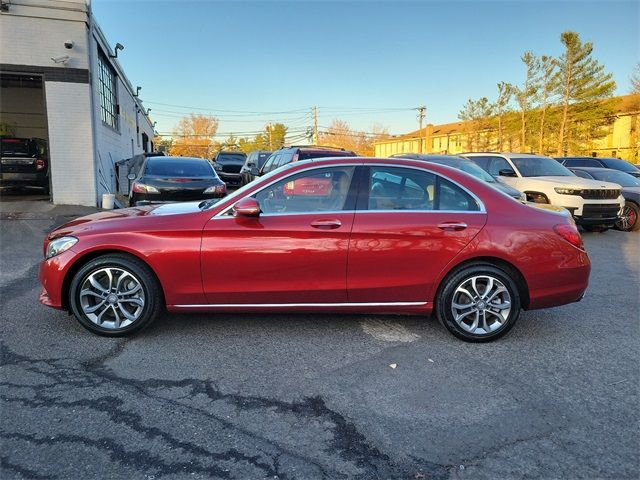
<point>630,191</point>
<point>174,179</point>
<point>419,238</point>
<point>468,166</point>
<point>255,159</point>
<point>595,205</point>
<point>228,166</point>
<point>24,162</point>
<point>286,155</point>
<point>600,162</point>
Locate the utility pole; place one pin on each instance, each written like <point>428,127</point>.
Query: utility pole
<point>315,125</point>
<point>421,114</point>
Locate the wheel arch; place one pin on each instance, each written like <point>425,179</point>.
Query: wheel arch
<point>91,255</point>
<point>502,264</point>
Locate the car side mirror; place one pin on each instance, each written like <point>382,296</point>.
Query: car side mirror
<point>255,171</point>
<point>131,176</point>
<point>507,172</point>
<point>247,207</point>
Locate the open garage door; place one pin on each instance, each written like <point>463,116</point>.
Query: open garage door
<point>24,168</point>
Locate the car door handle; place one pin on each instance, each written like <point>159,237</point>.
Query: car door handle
<point>326,224</point>
<point>455,226</point>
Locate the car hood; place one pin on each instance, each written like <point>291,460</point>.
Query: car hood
<point>89,222</point>
<point>573,182</point>
<point>631,192</point>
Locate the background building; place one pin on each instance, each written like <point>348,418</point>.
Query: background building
<point>60,81</point>
<point>620,138</point>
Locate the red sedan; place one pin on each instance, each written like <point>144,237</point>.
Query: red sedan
<point>326,235</point>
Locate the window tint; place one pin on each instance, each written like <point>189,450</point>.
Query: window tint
<point>540,167</point>
<point>284,159</point>
<point>262,157</point>
<point>396,188</point>
<point>270,165</point>
<point>179,167</point>
<point>392,188</point>
<point>497,164</point>
<point>322,190</point>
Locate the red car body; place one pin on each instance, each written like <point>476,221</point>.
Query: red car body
<point>346,261</point>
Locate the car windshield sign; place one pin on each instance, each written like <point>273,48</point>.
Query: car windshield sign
<point>540,167</point>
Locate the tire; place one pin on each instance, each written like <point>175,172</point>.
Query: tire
<point>134,300</point>
<point>628,222</point>
<point>595,228</point>
<point>489,326</point>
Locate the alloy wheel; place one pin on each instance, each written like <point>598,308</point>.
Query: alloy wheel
<point>112,298</point>
<point>481,304</point>
<point>628,218</point>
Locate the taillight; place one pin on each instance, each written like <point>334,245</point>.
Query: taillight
<point>40,164</point>
<point>142,188</point>
<point>570,234</point>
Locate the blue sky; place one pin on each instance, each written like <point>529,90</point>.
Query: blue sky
<point>358,61</point>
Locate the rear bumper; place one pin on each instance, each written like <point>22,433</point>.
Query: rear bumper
<point>37,179</point>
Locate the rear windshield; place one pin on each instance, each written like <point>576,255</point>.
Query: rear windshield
<point>620,165</point>
<point>178,167</point>
<point>231,158</point>
<point>17,146</point>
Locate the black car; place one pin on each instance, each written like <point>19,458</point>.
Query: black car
<point>175,179</point>
<point>228,166</point>
<point>468,166</point>
<point>600,162</point>
<point>255,159</point>
<point>630,191</point>
<point>24,162</point>
<point>295,153</point>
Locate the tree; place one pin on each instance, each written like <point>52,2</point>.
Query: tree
<point>194,136</point>
<point>341,135</point>
<point>162,144</point>
<point>547,82</point>
<point>635,80</point>
<point>526,93</point>
<point>272,138</point>
<point>505,91</point>
<point>582,86</point>
<point>475,114</point>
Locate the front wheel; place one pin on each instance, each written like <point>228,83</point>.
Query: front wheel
<point>115,295</point>
<point>479,303</point>
<point>628,221</point>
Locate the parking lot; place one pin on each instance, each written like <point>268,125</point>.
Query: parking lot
<point>314,396</point>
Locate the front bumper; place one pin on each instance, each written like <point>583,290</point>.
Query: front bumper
<point>52,274</point>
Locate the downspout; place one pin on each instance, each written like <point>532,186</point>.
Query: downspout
<point>94,130</point>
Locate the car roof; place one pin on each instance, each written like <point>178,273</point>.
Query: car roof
<point>504,154</point>
<point>593,169</point>
<point>430,157</point>
<point>166,157</point>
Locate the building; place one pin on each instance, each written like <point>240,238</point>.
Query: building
<point>620,141</point>
<point>61,81</point>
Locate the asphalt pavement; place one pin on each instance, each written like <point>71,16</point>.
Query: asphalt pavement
<point>313,396</point>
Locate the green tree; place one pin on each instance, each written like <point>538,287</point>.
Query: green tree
<point>526,94</point>
<point>583,85</point>
<point>505,91</point>
<point>475,115</point>
<point>547,81</point>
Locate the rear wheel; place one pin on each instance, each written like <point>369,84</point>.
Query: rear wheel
<point>628,221</point>
<point>479,303</point>
<point>115,295</point>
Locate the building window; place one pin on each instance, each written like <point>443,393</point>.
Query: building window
<point>107,92</point>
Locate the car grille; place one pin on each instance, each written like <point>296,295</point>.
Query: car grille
<point>600,193</point>
<point>606,210</point>
<point>231,168</point>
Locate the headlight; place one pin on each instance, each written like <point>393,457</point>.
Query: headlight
<point>59,245</point>
<point>566,191</point>
<point>217,167</point>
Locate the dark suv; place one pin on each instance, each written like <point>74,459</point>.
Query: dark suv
<point>228,165</point>
<point>600,162</point>
<point>304,152</point>
<point>24,162</point>
<point>256,159</point>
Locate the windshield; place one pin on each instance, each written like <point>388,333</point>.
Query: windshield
<point>178,167</point>
<point>616,176</point>
<point>540,167</point>
<point>476,171</point>
<point>620,165</point>
<point>231,158</point>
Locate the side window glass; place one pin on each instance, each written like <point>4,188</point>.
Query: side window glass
<point>498,164</point>
<point>322,190</point>
<point>591,163</point>
<point>452,197</point>
<point>583,174</point>
<point>271,163</point>
<point>393,188</point>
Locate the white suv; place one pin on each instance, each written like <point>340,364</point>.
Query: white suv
<point>594,204</point>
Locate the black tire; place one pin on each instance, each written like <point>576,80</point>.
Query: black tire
<point>140,273</point>
<point>632,213</point>
<point>457,279</point>
<point>595,228</point>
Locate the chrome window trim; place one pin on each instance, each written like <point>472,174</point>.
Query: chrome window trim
<point>283,305</point>
<point>392,165</point>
